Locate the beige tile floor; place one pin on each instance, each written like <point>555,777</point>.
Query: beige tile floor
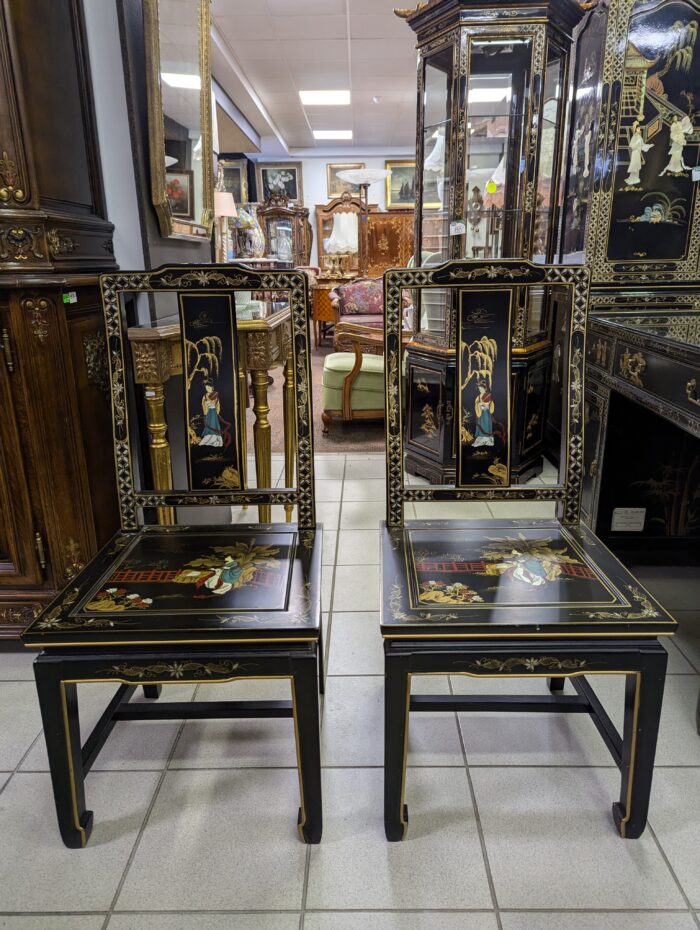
<point>510,816</point>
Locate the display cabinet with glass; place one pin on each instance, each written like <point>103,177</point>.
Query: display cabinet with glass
<point>490,149</point>
<point>288,232</point>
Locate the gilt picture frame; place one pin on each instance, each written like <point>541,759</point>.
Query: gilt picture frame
<point>336,186</point>
<point>280,178</point>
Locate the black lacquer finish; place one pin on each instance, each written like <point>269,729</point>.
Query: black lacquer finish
<point>176,603</point>
<point>510,598</point>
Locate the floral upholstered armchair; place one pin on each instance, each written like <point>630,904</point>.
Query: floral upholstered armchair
<point>360,304</point>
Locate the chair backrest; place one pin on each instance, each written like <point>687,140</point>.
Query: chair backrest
<point>485,301</point>
<point>203,345</point>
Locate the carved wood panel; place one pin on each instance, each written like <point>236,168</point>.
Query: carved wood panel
<point>391,242</point>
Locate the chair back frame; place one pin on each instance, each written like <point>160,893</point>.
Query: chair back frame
<point>500,274</point>
<point>209,279</point>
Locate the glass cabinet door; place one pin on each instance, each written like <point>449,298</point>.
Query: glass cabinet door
<point>280,241</point>
<point>435,167</point>
<point>497,89</point>
<point>550,128</point>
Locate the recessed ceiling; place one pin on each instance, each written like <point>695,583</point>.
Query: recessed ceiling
<point>285,46</point>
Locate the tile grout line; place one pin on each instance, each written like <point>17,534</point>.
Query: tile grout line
<point>147,816</point>
<point>16,769</point>
<point>477,818</point>
<point>326,660</point>
<point>691,909</point>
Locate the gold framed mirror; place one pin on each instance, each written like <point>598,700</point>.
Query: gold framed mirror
<point>178,70</point>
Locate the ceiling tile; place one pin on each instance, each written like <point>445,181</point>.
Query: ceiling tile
<point>368,26</point>
<point>385,7</point>
<point>237,28</point>
<point>373,49</point>
<point>312,50</point>
<point>321,28</point>
<point>228,7</point>
<point>257,51</point>
<point>306,7</point>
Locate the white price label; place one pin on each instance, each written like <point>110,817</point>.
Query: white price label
<point>628,519</point>
<point>458,228</point>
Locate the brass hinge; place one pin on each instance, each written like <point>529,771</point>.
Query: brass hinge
<point>40,551</point>
<point>7,350</point>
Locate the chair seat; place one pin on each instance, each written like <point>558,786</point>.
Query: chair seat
<point>338,365</point>
<point>191,584</point>
<point>363,319</point>
<point>498,578</point>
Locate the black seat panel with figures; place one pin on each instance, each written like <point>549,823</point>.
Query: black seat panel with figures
<point>191,584</point>
<point>509,577</point>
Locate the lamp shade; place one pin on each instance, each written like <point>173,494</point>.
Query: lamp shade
<point>224,204</point>
<point>363,175</point>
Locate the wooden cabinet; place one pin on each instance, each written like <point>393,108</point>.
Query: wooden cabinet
<point>57,488</point>
<point>390,241</point>
<point>288,233</point>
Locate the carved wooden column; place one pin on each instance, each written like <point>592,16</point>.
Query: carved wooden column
<point>152,368</point>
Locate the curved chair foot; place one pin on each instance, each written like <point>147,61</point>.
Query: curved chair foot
<point>396,830</point>
<point>310,833</point>
<point>74,838</point>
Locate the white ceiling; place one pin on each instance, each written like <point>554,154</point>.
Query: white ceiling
<point>275,48</point>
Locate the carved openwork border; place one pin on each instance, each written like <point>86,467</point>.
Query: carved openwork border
<point>212,278</point>
<point>453,275</point>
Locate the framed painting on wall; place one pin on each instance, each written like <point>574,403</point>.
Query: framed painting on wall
<point>401,185</point>
<point>235,175</point>
<point>179,189</point>
<point>336,186</point>
<point>283,178</point>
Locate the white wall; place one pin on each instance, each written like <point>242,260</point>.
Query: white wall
<point>316,184</point>
<point>113,131</point>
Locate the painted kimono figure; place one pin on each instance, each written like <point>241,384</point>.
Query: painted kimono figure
<point>680,128</point>
<point>637,146</point>
<point>224,579</point>
<point>216,430</point>
<point>484,408</point>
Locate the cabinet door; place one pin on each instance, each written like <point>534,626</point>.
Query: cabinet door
<point>19,562</point>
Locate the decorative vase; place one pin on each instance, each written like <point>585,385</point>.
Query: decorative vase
<point>254,235</point>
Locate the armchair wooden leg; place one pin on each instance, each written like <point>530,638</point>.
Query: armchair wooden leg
<point>396,712</point>
<point>643,696</point>
<point>58,702</point>
<point>326,418</point>
<point>307,724</point>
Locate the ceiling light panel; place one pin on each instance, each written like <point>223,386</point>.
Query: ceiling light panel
<point>328,134</point>
<point>325,98</point>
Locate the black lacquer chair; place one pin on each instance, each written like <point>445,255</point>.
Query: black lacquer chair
<point>525,598</point>
<point>166,603</point>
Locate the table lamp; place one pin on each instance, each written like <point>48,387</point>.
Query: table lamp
<point>224,207</point>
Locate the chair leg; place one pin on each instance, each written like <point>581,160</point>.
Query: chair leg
<point>59,713</point>
<point>152,691</point>
<point>396,713</point>
<point>307,723</point>
<point>556,684</point>
<point>326,418</point>
<point>643,696</point>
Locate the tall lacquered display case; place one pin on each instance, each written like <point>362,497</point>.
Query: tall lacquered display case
<point>489,150</point>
